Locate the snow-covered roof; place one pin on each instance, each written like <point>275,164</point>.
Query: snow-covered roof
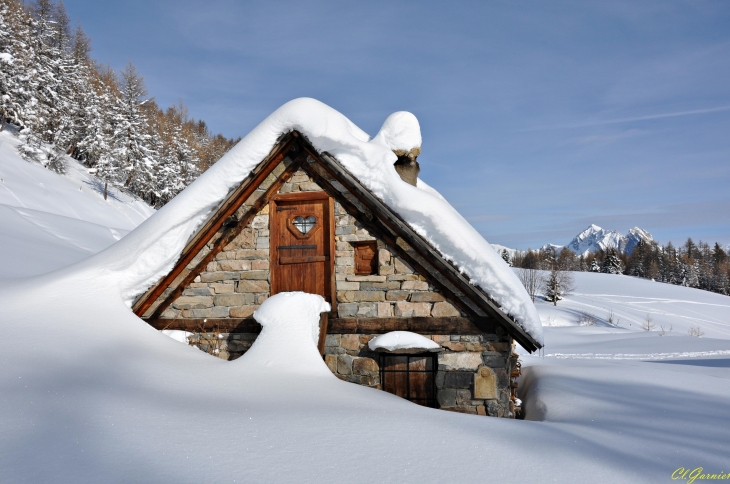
<point>150,251</point>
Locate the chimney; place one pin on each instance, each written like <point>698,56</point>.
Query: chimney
<point>407,166</point>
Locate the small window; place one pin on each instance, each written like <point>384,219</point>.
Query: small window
<point>304,224</point>
<point>412,377</point>
<point>366,258</point>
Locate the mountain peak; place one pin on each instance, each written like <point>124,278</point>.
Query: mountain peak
<point>594,238</point>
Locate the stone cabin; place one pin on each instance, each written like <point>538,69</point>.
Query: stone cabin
<point>302,222</point>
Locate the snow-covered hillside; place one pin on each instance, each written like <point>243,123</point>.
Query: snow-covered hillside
<point>632,299</point>
<point>48,221</point>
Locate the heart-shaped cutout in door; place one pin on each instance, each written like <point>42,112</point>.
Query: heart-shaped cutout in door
<point>304,224</point>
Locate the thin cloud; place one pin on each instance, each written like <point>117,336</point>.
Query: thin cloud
<point>631,120</point>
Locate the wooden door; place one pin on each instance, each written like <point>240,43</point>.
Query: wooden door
<point>412,377</point>
<point>302,244</point>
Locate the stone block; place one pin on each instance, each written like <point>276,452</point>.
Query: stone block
<point>344,364</point>
<point>485,384</point>
<point>262,243</point>
<point>499,346</point>
<point>458,379</point>
<point>193,302</point>
<point>494,361</point>
<point>463,396</point>
<point>440,338</point>
<point>401,267</point>
<point>222,287</point>
<point>309,187</point>
<point>346,310</point>
<point>350,342</point>
<point>332,340</point>
<point>446,397</point>
<point>219,276</point>
<point>386,270</point>
<point>343,247</point>
<point>252,286</point>
<point>425,297</point>
<point>384,257</point>
<point>481,410</point>
<point>255,275</point>
<point>233,265</point>
<point>397,295</point>
<point>408,310</point>
<point>345,261</point>
<point>248,254</point>
<point>214,312</point>
<point>454,345</point>
<point>368,296</point>
<point>345,270</point>
<point>460,361</point>
<point>385,310</point>
<point>198,291</point>
<point>367,310</point>
<point>414,286</point>
<point>331,362</point>
<point>444,309</point>
<point>348,286</point>
<point>403,277</point>
<point>234,299</point>
<point>171,313</point>
<point>365,366</point>
<point>474,347</point>
<point>244,240</point>
<point>354,278</point>
<point>345,230</point>
<point>379,286</point>
<point>243,311</point>
<point>261,221</point>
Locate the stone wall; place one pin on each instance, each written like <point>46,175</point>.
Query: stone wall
<point>350,359</point>
<point>238,280</point>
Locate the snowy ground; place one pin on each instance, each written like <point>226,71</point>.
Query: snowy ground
<point>90,393</point>
<point>657,400</point>
<point>48,221</point>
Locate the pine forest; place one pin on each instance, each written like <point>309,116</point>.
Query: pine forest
<point>63,102</point>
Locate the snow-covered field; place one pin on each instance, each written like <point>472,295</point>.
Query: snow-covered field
<point>90,393</point>
<point>49,221</point>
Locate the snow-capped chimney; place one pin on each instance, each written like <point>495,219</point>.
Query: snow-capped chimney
<point>402,134</point>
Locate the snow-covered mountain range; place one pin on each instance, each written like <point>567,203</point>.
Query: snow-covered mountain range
<point>594,238</point>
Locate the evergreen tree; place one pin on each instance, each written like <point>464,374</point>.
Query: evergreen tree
<point>612,264</point>
<point>506,258</point>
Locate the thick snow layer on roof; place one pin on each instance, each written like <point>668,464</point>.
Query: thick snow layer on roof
<point>150,251</point>
<point>402,340</point>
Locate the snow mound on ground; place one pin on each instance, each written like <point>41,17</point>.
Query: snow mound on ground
<point>150,251</point>
<point>402,340</point>
<point>289,335</point>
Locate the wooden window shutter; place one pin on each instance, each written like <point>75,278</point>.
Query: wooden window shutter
<point>366,258</point>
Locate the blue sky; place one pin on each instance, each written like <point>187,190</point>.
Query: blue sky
<point>538,118</point>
